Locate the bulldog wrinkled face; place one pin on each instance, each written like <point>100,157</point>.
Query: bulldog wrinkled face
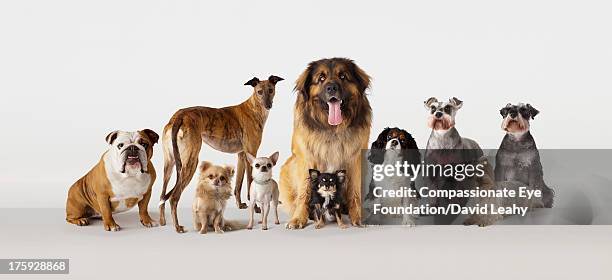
<point>262,166</point>
<point>516,118</point>
<point>264,91</point>
<point>442,114</point>
<point>327,184</point>
<point>131,151</point>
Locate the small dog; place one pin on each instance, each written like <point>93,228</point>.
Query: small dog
<point>445,146</point>
<point>487,182</point>
<point>518,158</point>
<point>234,129</point>
<point>213,191</point>
<point>264,190</point>
<point>326,201</point>
<point>393,145</point>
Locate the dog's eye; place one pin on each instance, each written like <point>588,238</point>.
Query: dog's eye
<point>433,109</point>
<point>269,165</point>
<point>211,177</point>
<point>342,76</point>
<point>260,92</point>
<point>270,91</point>
<point>144,145</point>
<point>447,109</point>
<point>257,165</point>
<point>322,77</point>
<point>120,146</point>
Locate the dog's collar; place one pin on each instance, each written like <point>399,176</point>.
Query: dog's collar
<point>262,182</point>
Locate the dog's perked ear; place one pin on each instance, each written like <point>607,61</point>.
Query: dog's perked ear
<point>274,79</point>
<point>274,158</point>
<point>456,102</point>
<point>205,165</point>
<point>250,158</point>
<point>532,111</point>
<point>252,82</point>
<point>229,170</point>
<point>110,138</point>
<point>430,101</point>
<point>341,174</point>
<point>153,136</point>
<point>314,174</point>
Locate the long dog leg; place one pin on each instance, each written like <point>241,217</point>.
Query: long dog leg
<point>168,167</point>
<point>239,179</point>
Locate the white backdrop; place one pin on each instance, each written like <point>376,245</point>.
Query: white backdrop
<point>72,71</point>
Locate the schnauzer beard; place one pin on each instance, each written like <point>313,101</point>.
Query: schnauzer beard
<point>515,127</point>
<point>445,123</point>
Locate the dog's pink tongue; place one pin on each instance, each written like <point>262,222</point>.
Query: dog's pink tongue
<point>335,113</point>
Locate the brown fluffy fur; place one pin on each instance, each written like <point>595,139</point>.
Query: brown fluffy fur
<point>210,200</point>
<point>318,145</point>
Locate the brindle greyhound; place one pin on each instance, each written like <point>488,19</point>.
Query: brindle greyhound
<point>234,129</point>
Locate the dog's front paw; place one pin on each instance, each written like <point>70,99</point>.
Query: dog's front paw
<point>219,231</point>
<point>148,223</point>
<point>79,222</point>
<point>180,229</point>
<point>296,223</point>
<point>356,223</point>
<point>112,226</point>
<point>342,226</point>
<point>243,206</point>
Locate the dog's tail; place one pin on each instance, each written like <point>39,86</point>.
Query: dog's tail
<point>177,158</point>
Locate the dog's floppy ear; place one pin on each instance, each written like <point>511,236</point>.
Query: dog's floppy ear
<point>381,141</point>
<point>250,158</point>
<point>532,111</point>
<point>252,82</point>
<point>153,136</point>
<point>205,165</point>
<point>110,138</point>
<point>302,84</point>
<point>274,158</point>
<point>274,79</point>
<point>341,174</point>
<point>363,79</point>
<point>314,174</point>
<point>377,150</point>
<point>229,170</point>
<point>429,102</point>
<point>456,102</point>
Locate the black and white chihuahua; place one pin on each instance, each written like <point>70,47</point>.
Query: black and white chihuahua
<point>325,197</point>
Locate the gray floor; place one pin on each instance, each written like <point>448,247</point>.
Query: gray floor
<point>427,252</point>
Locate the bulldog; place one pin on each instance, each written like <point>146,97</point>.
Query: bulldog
<point>122,178</point>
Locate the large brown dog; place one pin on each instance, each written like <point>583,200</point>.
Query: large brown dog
<point>332,120</point>
<point>235,129</point>
<point>122,178</point>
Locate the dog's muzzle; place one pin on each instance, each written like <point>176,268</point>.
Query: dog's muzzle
<point>132,158</point>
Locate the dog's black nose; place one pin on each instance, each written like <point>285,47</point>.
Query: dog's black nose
<point>394,142</point>
<point>132,148</point>
<point>331,88</point>
<point>264,169</point>
<point>438,114</point>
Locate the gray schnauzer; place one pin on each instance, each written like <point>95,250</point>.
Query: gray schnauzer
<point>445,146</point>
<point>518,158</point>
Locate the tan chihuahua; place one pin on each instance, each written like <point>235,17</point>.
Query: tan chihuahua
<point>213,191</point>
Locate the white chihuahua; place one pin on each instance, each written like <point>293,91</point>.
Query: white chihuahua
<point>264,190</point>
